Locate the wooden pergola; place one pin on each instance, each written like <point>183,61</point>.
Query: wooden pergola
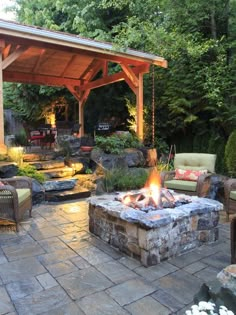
<point>34,55</point>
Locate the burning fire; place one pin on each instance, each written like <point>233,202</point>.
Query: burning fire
<point>152,196</point>
<point>153,188</point>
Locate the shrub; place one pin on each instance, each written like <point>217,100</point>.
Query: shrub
<point>230,154</point>
<point>217,146</point>
<point>117,143</point>
<point>16,154</point>
<point>117,179</point>
<point>4,157</point>
<point>161,166</point>
<point>21,138</point>
<point>30,171</point>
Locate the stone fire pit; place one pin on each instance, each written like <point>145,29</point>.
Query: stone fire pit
<point>156,235</point>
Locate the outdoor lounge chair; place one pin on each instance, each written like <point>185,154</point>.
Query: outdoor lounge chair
<point>15,198</point>
<point>192,174</point>
<point>230,197</point>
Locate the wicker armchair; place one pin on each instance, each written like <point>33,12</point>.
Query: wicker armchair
<point>193,162</point>
<point>230,197</point>
<point>15,199</point>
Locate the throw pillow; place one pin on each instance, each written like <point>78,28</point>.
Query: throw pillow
<point>188,174</point>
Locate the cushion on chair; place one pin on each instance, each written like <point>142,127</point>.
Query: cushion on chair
<point>181,185</point>
<point>233,195</point>
<point>195,161</point>
<point>188,174</point>
<point>2,183</point>
<point>23,194</point>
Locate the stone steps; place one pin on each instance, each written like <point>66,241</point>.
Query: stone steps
<point>67,195</point>
<point>36,157</point>
<point>60,172</point>
<point>60,184</point>
<point>48,165</point>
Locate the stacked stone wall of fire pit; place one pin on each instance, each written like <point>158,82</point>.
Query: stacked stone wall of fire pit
<point>157,235</point>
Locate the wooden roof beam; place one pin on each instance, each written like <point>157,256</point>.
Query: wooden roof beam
<point>74,91</point>
<point>6,51</point>
<point>130,83</point>
<point>105,69</point>
<point>92,70</point>
<point>13,56</point>
<point>103,81</point>
<point>81,96</point>
<point>38,79</point>
<point>2,44</point>
<point>130,74</point>
<point>116,78</point>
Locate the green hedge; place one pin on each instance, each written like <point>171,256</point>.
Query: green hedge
<point>230,154</point>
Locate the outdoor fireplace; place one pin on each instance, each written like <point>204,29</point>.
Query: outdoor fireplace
<point>154,224</point>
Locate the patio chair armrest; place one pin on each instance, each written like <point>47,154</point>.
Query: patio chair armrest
<point>7,191</point>
<point>11,189</point>
<point>229,185</point>
<point>19,182</point>
<point>203,184</point>
<point>166,175</point>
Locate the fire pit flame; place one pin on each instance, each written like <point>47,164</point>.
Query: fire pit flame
<point>152,196</point>
<point>153,189</point>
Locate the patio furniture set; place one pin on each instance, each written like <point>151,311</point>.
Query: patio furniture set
<point>43,137</point>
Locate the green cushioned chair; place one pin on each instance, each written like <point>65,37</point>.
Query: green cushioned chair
<point>193,162</point>
<point>15,199</point>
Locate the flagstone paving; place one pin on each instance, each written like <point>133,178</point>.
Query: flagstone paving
<point>55,266</point>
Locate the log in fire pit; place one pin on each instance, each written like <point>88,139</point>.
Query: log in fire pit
<point>154,224</point>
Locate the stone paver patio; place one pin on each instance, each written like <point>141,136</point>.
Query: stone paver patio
<point>55,266</point>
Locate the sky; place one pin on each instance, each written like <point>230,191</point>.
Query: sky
<point>4,15</point>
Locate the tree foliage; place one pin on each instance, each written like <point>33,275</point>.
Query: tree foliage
<point>230,154</point>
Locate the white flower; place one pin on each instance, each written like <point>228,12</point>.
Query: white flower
<point>223,308</point>
<point>206,306</point>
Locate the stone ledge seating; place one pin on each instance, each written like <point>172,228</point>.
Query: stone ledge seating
<point>194,162</point>
<point>15,199</point>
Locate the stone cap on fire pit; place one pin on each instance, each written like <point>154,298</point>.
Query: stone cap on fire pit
<point>155,218</point>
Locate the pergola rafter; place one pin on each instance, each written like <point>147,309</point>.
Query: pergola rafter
<point>37,56</point>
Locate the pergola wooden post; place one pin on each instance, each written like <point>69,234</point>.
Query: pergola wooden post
<point>3,148</point>
<point>81,98</point>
